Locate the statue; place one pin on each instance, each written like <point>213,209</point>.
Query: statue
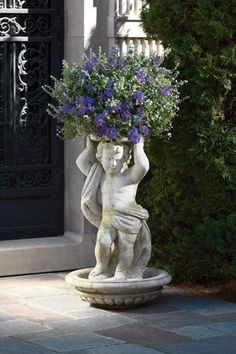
<point>123,244</point>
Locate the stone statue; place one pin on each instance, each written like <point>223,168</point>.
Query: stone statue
<point>123,245</point>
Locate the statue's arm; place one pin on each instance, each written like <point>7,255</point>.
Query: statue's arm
<point>141,163</point>
<point>84,160</point>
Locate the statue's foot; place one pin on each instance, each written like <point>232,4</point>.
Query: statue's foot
<point>120,275</point>
<point>98,273</point>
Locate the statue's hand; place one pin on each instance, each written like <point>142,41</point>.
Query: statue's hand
<point>140,144</point>
<point>90,143</point>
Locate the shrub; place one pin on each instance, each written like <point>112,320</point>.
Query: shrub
<point>190,191</point>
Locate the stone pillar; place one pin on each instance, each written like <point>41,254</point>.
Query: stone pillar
<point>89,24</point>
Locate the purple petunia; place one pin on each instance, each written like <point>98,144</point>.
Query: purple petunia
<point>111,132</point>
<point>144,130</point>
<point>133,135</point>
<point>139,96</point>
<point>165,90</point>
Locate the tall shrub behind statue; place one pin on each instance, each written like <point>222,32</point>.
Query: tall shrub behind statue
<point>191,191</point>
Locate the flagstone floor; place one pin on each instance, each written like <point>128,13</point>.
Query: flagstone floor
<point>42,314</point>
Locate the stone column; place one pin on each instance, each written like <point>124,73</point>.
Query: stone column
<point>89,24</point>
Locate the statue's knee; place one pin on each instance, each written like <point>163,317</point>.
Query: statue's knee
<point>104,240</point>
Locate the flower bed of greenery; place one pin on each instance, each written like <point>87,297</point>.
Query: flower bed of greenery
<point>115,97</point>
<point>191,188</point>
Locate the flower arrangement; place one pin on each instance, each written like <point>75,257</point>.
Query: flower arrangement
<point>114,97</point>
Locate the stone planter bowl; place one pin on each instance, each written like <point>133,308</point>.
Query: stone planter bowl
<point>118,294</point>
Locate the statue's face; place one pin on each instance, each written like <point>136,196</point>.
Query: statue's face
<point>112,159</point>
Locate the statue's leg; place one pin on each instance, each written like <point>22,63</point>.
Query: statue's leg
<point>126,254</point>
<point>105,237</point>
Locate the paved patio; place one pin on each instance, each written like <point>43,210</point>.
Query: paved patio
<point>42,314</point>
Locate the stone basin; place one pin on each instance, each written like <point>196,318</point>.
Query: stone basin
<point>118,294</point>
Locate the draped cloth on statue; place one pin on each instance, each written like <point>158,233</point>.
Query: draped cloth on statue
<point>90,205</point>
<point>126,220</point>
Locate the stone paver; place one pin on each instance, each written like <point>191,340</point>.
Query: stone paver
<point>123,349</point>
<point>41,314</point>
<point>94,323</point>
<point>14,327</point>
<point>75,341</point>
<point>220,345</point>
<point>16,346</point>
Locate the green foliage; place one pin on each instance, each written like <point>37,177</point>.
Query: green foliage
<point>190,191</point>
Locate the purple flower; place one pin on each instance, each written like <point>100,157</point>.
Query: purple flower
<point>165,90</point>
<point>157,59</point>
<point>100,119</point>
<point>118,107</point>
<point>133,135</point>
<point>121,64</point>
<point>138,96</point>
<point>99,122</point>
<point>81,111</point>
<point>115,51</point>
<point>135,119</point>
<point>125,114</point>
<point>144,130</point>
<point>101,130</point>
<point>112,62</point>
<point>89,101</point>
<point>111,83</point>
<point>107,93</point>
<point>140,74</point>
<point>67,108</point>
<point>89,65</point>
<point>111,132</point>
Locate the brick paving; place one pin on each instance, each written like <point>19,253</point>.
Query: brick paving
<point>41,314</point>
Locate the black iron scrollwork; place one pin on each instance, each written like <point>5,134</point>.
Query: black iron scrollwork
<point>33,127</point>
<point>10,26</point>
<point>21,4</point>
<point>25,179</point>
<point>25,25</point>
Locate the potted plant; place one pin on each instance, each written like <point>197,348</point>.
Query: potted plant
<point>116,102</point>
<point>114,97</point>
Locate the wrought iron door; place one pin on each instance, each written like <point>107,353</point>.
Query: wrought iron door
<point>31,156</point>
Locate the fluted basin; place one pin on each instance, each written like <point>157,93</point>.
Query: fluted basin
<point>119,293</point>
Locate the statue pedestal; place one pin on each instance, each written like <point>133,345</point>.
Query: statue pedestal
<point>118,294</point>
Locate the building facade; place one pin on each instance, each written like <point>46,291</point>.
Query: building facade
<point>41,225</point>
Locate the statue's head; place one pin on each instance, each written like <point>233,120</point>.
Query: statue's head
<point>113,157</point>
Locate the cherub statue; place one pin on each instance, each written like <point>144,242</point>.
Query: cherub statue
<point>123,244</point>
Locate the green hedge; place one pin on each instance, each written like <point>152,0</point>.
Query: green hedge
<point>190,191</point>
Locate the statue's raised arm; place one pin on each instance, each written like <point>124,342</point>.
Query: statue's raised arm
<point>141,163</point>
<point>86,158</point>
